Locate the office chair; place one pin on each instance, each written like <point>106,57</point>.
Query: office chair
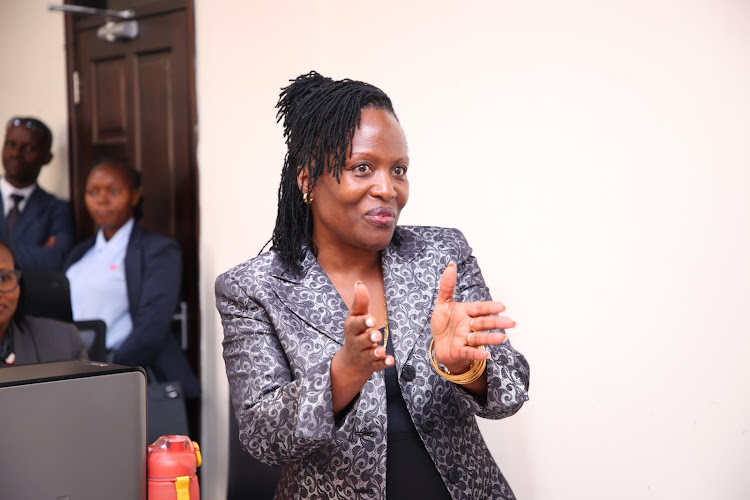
<point>46,294</point>
<point>93,333</point>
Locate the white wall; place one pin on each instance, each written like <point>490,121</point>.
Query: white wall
<point>32,79</point>
<point>596,156</point>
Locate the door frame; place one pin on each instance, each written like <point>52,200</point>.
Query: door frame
<point>190,255</point>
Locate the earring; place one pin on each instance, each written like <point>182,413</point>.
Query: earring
<point>306,199</point>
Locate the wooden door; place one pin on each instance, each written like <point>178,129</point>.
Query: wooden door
<point>135,99</point>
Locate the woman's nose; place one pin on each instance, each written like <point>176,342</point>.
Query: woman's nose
<point>101,199</point>
<point>383,185</point>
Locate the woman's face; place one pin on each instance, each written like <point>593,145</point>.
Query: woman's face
<point>361,212</point>
<point>110,198</point>
<point>8,300</point>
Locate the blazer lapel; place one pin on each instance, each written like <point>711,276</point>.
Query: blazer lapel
<point>2,222</point>
<point>311,296</point>
<point>410,294</point>
<point>134,266</point>
<point>30,212</point>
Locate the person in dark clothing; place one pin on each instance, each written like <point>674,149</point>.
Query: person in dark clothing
<point>37,226</point>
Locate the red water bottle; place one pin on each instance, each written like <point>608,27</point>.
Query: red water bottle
<point>172,464</point>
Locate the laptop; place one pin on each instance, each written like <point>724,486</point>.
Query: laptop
<point>73,430</point>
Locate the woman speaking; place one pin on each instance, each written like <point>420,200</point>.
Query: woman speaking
<point>358,351</point>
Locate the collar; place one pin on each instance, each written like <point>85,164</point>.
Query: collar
<point>311,289</point>
<point>121,237</point>
<point>407,250</point>
<point>7,189</point>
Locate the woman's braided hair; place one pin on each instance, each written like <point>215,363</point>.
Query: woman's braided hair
<point>319,116</point>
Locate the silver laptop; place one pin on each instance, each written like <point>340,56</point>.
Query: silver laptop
<point>72,430</point>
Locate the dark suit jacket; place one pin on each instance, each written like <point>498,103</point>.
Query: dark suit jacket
<point>280,332</point>
<point>39,340</point>
<point>153,270</point>
<point>43,216</point>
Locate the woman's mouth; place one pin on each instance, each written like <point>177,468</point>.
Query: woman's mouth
<point>381,216</point>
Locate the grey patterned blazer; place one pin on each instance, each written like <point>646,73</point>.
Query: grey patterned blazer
<point>280,333</point>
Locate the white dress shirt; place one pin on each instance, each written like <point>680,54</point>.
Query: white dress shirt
<point>98,289</point>
<point>7,189</point>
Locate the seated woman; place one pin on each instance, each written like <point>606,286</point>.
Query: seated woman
<point>27,339</point>
<point>129,277</point>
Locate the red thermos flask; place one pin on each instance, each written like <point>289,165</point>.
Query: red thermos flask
<point>172,465</point>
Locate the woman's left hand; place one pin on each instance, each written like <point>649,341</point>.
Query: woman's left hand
<point>459,328</point>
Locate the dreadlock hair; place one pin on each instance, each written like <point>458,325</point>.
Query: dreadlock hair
<point>320,117</point>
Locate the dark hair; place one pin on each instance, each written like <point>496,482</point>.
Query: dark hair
<point>34,124</point>
<point>19,314</point>
<point>320,116</point>
<point>131,175</point>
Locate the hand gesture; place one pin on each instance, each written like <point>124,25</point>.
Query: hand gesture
<point>459,328</point>
<point>361,350</point>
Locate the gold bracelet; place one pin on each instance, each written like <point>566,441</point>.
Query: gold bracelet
<point>476,368</point>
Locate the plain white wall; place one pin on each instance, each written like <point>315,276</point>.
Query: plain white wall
<point>32,79</point>
<point>594,153</point>
<point>595,156</point>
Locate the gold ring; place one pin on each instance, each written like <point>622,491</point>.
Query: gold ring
<point>471,325</point>
<point>468,339</point>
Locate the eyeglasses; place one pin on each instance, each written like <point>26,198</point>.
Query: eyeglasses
<point>9,280</point>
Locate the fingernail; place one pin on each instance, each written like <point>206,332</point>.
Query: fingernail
<point>388,361</point>
<point>370,322</point>
<point>452,264</point>
<point>376,352</point>
<point>356,284</point>
<point>373,337</point>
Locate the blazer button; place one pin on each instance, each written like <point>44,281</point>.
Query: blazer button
<point>454,474</point>
<point>408,373</point>
<point>429,426</point>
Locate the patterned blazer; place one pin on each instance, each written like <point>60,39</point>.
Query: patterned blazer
<point>281,331</point>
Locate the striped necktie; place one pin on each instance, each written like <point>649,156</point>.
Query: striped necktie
<point>10,220</point>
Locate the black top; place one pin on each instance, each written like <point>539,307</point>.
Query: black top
<point>410,472</point>
<point>399,420</point>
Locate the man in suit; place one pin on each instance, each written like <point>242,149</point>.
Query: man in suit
<point>36,225</point>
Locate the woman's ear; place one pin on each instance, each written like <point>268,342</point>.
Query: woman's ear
<point>303,179</point>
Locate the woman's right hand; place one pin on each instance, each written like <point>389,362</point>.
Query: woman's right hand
<point>360,356</point>
<point>362,351</point>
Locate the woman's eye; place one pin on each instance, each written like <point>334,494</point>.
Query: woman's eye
<point>361,169</point>
<point>114,192</point>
